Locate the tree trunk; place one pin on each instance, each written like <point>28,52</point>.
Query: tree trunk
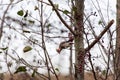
<point>79,45</point>
<point>71,65</point>
<point>117,54</point>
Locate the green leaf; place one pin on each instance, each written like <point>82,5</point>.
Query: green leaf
<point>31,21</point>
<point>20,13</point>
<point>57,69</point>
<point>48,25</point>
<point>66,12</point>
<point>0,52</point>
<point>100,22</point>
<point>104,72</point>
<point>21,69</point>
<point>56,6</point>
<point>27,48</point>
<point>25,31</point>
<point>33,74</point>
<point>4,48</point>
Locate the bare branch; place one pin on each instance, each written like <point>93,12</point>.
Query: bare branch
<point>100,35</point>
<point>47,57</point>
<point>63,21</point>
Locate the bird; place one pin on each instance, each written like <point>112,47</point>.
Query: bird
<point>64,45</point>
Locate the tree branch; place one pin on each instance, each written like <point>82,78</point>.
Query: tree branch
<point>100,35</point>
<point>63,21</point>
<point>3,19</point>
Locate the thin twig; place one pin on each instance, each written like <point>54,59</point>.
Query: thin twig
<point>3,19</point>
<point>89,58</point>
<point>7,63</point>
<point>43,43</point>
<point>27,64</point>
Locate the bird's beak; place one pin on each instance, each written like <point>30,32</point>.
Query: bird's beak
<point>58,50</point>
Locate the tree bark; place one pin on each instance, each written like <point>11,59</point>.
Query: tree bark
<point>79,45</point>
<point>117,52</point>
